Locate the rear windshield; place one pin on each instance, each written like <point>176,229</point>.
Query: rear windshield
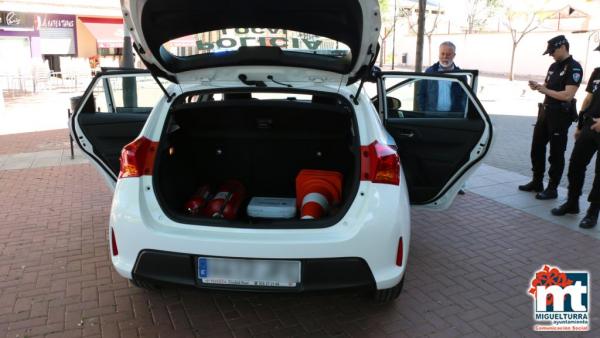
<point>227,40</point>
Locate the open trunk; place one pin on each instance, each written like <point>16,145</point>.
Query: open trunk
<point>263,144</point>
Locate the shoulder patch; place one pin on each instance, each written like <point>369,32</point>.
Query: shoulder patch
<point>576,77</point>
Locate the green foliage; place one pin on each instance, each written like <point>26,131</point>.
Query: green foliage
<point>479,11</point>
<point>384,6</point>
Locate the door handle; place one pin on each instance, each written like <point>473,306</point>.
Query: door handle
<point>409,135</point>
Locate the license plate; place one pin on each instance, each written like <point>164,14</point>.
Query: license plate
<point>249,272</point>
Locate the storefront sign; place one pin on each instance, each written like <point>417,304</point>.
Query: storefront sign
<point>16,21</point>
<point>56,21</point>
<point>57,33</point>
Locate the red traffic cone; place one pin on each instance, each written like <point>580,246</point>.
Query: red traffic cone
<point>317,191</point>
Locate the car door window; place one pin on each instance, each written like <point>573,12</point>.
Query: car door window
<point>426,98</point>
<point>132,94</point>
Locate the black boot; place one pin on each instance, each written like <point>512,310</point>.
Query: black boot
<point>549,194</point>
<point>535,185</point>
<point>591,217</point>
<point>571,206</point>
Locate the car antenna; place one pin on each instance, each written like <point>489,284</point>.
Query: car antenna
<point>245,80</point>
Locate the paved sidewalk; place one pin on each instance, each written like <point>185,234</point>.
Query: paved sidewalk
<point>468,274</point>
<point>512,145</point>
<point>39,112</point>
<point>41,159</point>
<point>500,186</point>
<point>34,141</point>
<point>38,149</point>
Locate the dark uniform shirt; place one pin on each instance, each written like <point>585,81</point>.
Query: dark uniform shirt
<point>567,72</point>
<point>593,87</point>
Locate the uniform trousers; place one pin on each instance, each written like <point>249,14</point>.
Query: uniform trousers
<point>586,145</point>
<point>552,126</point>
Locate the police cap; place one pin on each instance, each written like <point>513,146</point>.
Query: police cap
<point>555,43</point>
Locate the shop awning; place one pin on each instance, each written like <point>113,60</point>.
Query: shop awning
<point>107,31</point>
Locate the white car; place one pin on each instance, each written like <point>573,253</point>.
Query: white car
<point>259,105</point>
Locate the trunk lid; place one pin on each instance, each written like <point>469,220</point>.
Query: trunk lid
<point>180,36</point>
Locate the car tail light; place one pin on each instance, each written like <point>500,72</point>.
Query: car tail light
<point>113,243</point>
<point>400,253</point>
<point>137,158</point>
<point>380,163</point>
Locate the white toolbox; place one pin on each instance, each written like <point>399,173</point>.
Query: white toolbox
<point>272,207</point>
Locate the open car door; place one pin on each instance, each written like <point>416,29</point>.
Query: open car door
<point>441,129</point>
<point>471,76</point>
<point>110,114</point>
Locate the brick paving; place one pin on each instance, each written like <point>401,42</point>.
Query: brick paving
<point>34,141</point>
<point>512,145</point>
<point>468,273</point>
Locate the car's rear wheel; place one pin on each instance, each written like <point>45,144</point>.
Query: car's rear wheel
<point>388,295</point>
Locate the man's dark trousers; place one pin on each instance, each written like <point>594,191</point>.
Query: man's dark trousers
<point>552,127</point>
<point>586,145</point>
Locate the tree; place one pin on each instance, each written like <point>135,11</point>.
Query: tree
<point>420,33</point>
<point>388,25</point>
<point>478,12</point>
<point>430,25</point>
<point>520,22</point>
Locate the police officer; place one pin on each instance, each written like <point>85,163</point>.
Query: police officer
<point>555,116</point>
<point>587,142</point>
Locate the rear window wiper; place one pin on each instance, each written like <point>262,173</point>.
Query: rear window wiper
<point>245,81</point>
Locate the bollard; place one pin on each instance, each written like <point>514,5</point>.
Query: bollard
<point>74,101</point>
<point>89,107</point>
<point>70,136</point>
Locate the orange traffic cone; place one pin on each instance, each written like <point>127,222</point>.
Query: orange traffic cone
<point>317,191</point>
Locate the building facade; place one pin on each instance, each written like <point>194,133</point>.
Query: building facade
<point>41,32</point>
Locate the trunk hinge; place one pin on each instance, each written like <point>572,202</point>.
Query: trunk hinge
<point>138,49</point>
<point>355,96</point>
<point>169,96</point>
<point>366,73</point>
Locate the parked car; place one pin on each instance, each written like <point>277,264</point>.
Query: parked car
<point>259,114</point>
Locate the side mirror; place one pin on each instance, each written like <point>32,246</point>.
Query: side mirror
<point>392,103</point>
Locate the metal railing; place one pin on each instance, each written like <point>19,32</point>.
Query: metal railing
<point>20,84</point>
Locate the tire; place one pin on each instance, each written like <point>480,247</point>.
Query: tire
<point>143,284</point>
<point>388,295</point>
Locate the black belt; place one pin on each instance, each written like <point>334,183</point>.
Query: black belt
<point>553,105</point>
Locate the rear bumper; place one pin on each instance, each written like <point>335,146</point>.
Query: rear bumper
<point>369,232</point>
<point>317,274</point>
